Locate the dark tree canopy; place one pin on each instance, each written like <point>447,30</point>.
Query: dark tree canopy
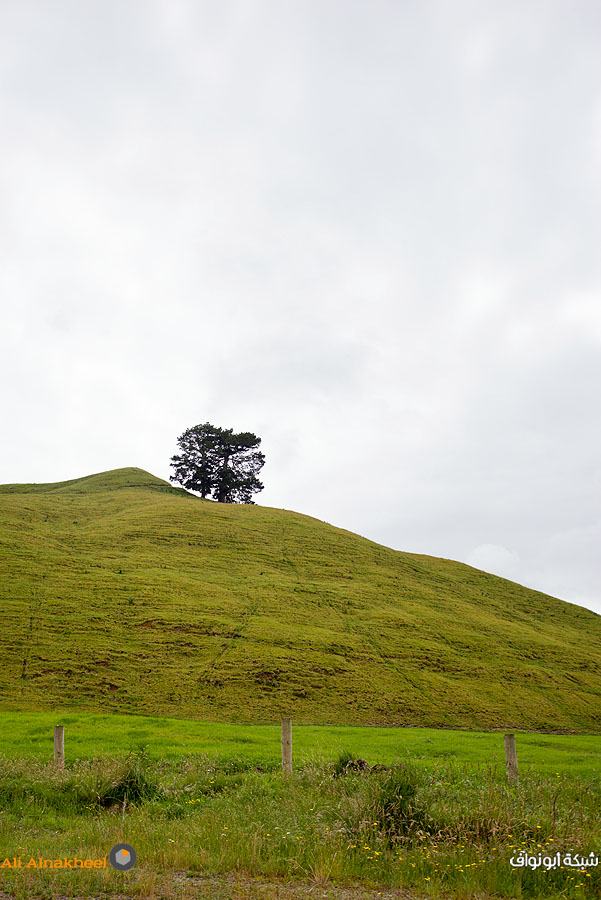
<point>218,463</point>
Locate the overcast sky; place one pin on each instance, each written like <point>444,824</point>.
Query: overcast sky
<point>367,231</point>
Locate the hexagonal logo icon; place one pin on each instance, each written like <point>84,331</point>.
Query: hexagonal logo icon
<point>122,857</point>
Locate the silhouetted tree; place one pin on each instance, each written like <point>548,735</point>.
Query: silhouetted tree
<point>215,461</point>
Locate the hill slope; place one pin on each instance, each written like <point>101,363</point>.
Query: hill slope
<point>120,592</point>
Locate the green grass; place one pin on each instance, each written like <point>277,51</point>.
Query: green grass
<point>439,831</point>
<point>205,804</point>
<point>30,735</point>
<point>121,593</point>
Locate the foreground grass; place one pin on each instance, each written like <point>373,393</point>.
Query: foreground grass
<point>447,830</point>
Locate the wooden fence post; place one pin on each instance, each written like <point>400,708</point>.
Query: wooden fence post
<point>511,757</point>
<point>59,746</point>
<point>286,746</point>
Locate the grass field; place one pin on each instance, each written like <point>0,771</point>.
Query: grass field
<point>87,735</point>
<point>119,592</point>
<point>211,816</point>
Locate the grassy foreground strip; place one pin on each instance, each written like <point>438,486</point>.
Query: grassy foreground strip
<point>447,830</point>
<point>246,887</point>
<point>87,735</point>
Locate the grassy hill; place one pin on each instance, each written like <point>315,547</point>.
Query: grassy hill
<point>121,593</point>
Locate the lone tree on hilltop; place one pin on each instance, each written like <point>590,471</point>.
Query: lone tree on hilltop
<point>218,463</point>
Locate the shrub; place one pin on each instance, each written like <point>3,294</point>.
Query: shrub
<point>398,810</point>
<point>344,761</point>
<point>126,781</point>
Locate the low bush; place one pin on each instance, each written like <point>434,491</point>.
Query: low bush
<point>343,762</point>
<point>122,782</point>
<point>398,810</point>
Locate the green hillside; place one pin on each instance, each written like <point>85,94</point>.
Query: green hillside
<point>121,593</point>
